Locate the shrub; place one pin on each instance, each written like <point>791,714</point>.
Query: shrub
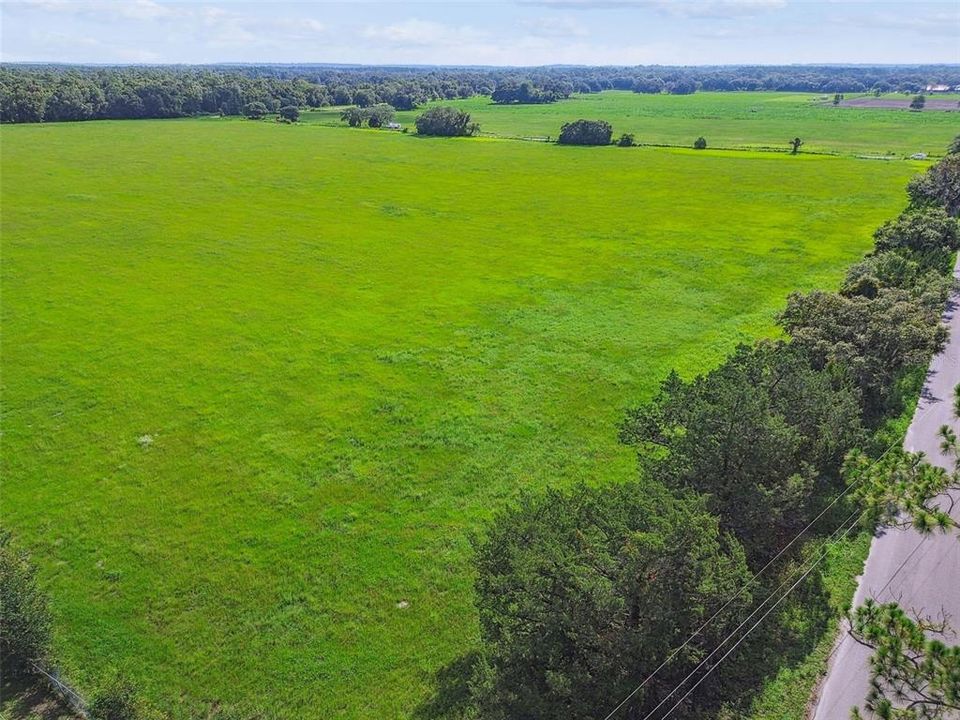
<point>586,132</point>
<point>626,140</point>
<point>877,271</point>
<point>353,116</point>
<point>446,122</point>
<point>120,699</point>
<point>700,143</point>
<point>24,613</point>
<point>379,115</point>
<point>954,147</point>
<point>290,113</point>
<point>255,110</point>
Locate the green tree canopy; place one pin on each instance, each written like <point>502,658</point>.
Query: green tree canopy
<point>255,110</point>
<point>925,234</point>
<point>446,122</point>
<point>914,675</point>
<point>939,186</point>
<point>874,339</point>
<point>353,116</point>
<point>586,132</point>
<point>759,437</point>
<point>380,114</point>
<point>290,113</point>
<point>583,593</point>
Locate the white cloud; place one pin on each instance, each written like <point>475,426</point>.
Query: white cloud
<point>556,26</point>
<point>936,22</point>
<point>142,10</point>
<point>125,9</point>
<point>423,33</point>
<point>717,9</point>
<point>713,9</point>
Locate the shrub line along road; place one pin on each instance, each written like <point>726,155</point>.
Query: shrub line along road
<point>921,573</point>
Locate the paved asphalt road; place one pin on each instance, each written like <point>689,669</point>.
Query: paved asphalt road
<point>921,573</point>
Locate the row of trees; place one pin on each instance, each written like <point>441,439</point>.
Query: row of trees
<point>37,93</point>
<point>527,93</point>
<point>584,593</point>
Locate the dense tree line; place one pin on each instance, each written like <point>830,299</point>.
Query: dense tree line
<point>36,93</point>
<point>526,93</point>
<point>583,593</point>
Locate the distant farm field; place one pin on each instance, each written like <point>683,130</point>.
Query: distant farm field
<point>261,382</point>
<point>726,120</point>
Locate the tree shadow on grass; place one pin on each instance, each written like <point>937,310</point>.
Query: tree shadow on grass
<point>27,697</point>
<point>452,699</point>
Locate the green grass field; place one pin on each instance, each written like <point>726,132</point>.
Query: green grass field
<point>261,382</point>
<point>727,120</point>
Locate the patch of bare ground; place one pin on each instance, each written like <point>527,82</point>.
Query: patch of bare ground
<point>27,699</point>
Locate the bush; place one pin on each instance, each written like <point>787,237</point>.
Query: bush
<point>581,593</point>
<point>24,613</point>
<point>290,113</point>
<point>626,140</point>
<point>446,122</point>
<point>120,699</point>
<point>353,116</point>
<point>255,110</point>
<point>380,114</point>
<point>586,132</point>
<point>880,270</point>
<point>700,143</point>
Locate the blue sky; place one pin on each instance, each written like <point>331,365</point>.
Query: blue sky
<point>523,32</point>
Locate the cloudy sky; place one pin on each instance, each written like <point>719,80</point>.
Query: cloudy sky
<point>522,32</point>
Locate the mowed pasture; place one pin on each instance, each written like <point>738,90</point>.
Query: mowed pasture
<point>261,382</point>
<point>744,120</point>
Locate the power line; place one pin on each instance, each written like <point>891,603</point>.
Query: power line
<point>749,583</point>
<point>754,626</point>
<point>727,604</point>
<point>745,620</point>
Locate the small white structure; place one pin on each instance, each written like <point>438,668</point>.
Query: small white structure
<point>918,156</point>
<point>394,126</point>
<point>938,88</point>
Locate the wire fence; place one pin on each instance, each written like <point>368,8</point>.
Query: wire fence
<point>70,697</point>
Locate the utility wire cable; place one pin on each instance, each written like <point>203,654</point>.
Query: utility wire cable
<point>746,620</point>
<point>747,584</point>
<point>754,626</point>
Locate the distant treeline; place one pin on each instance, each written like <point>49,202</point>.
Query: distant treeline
<point>38,93</point>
